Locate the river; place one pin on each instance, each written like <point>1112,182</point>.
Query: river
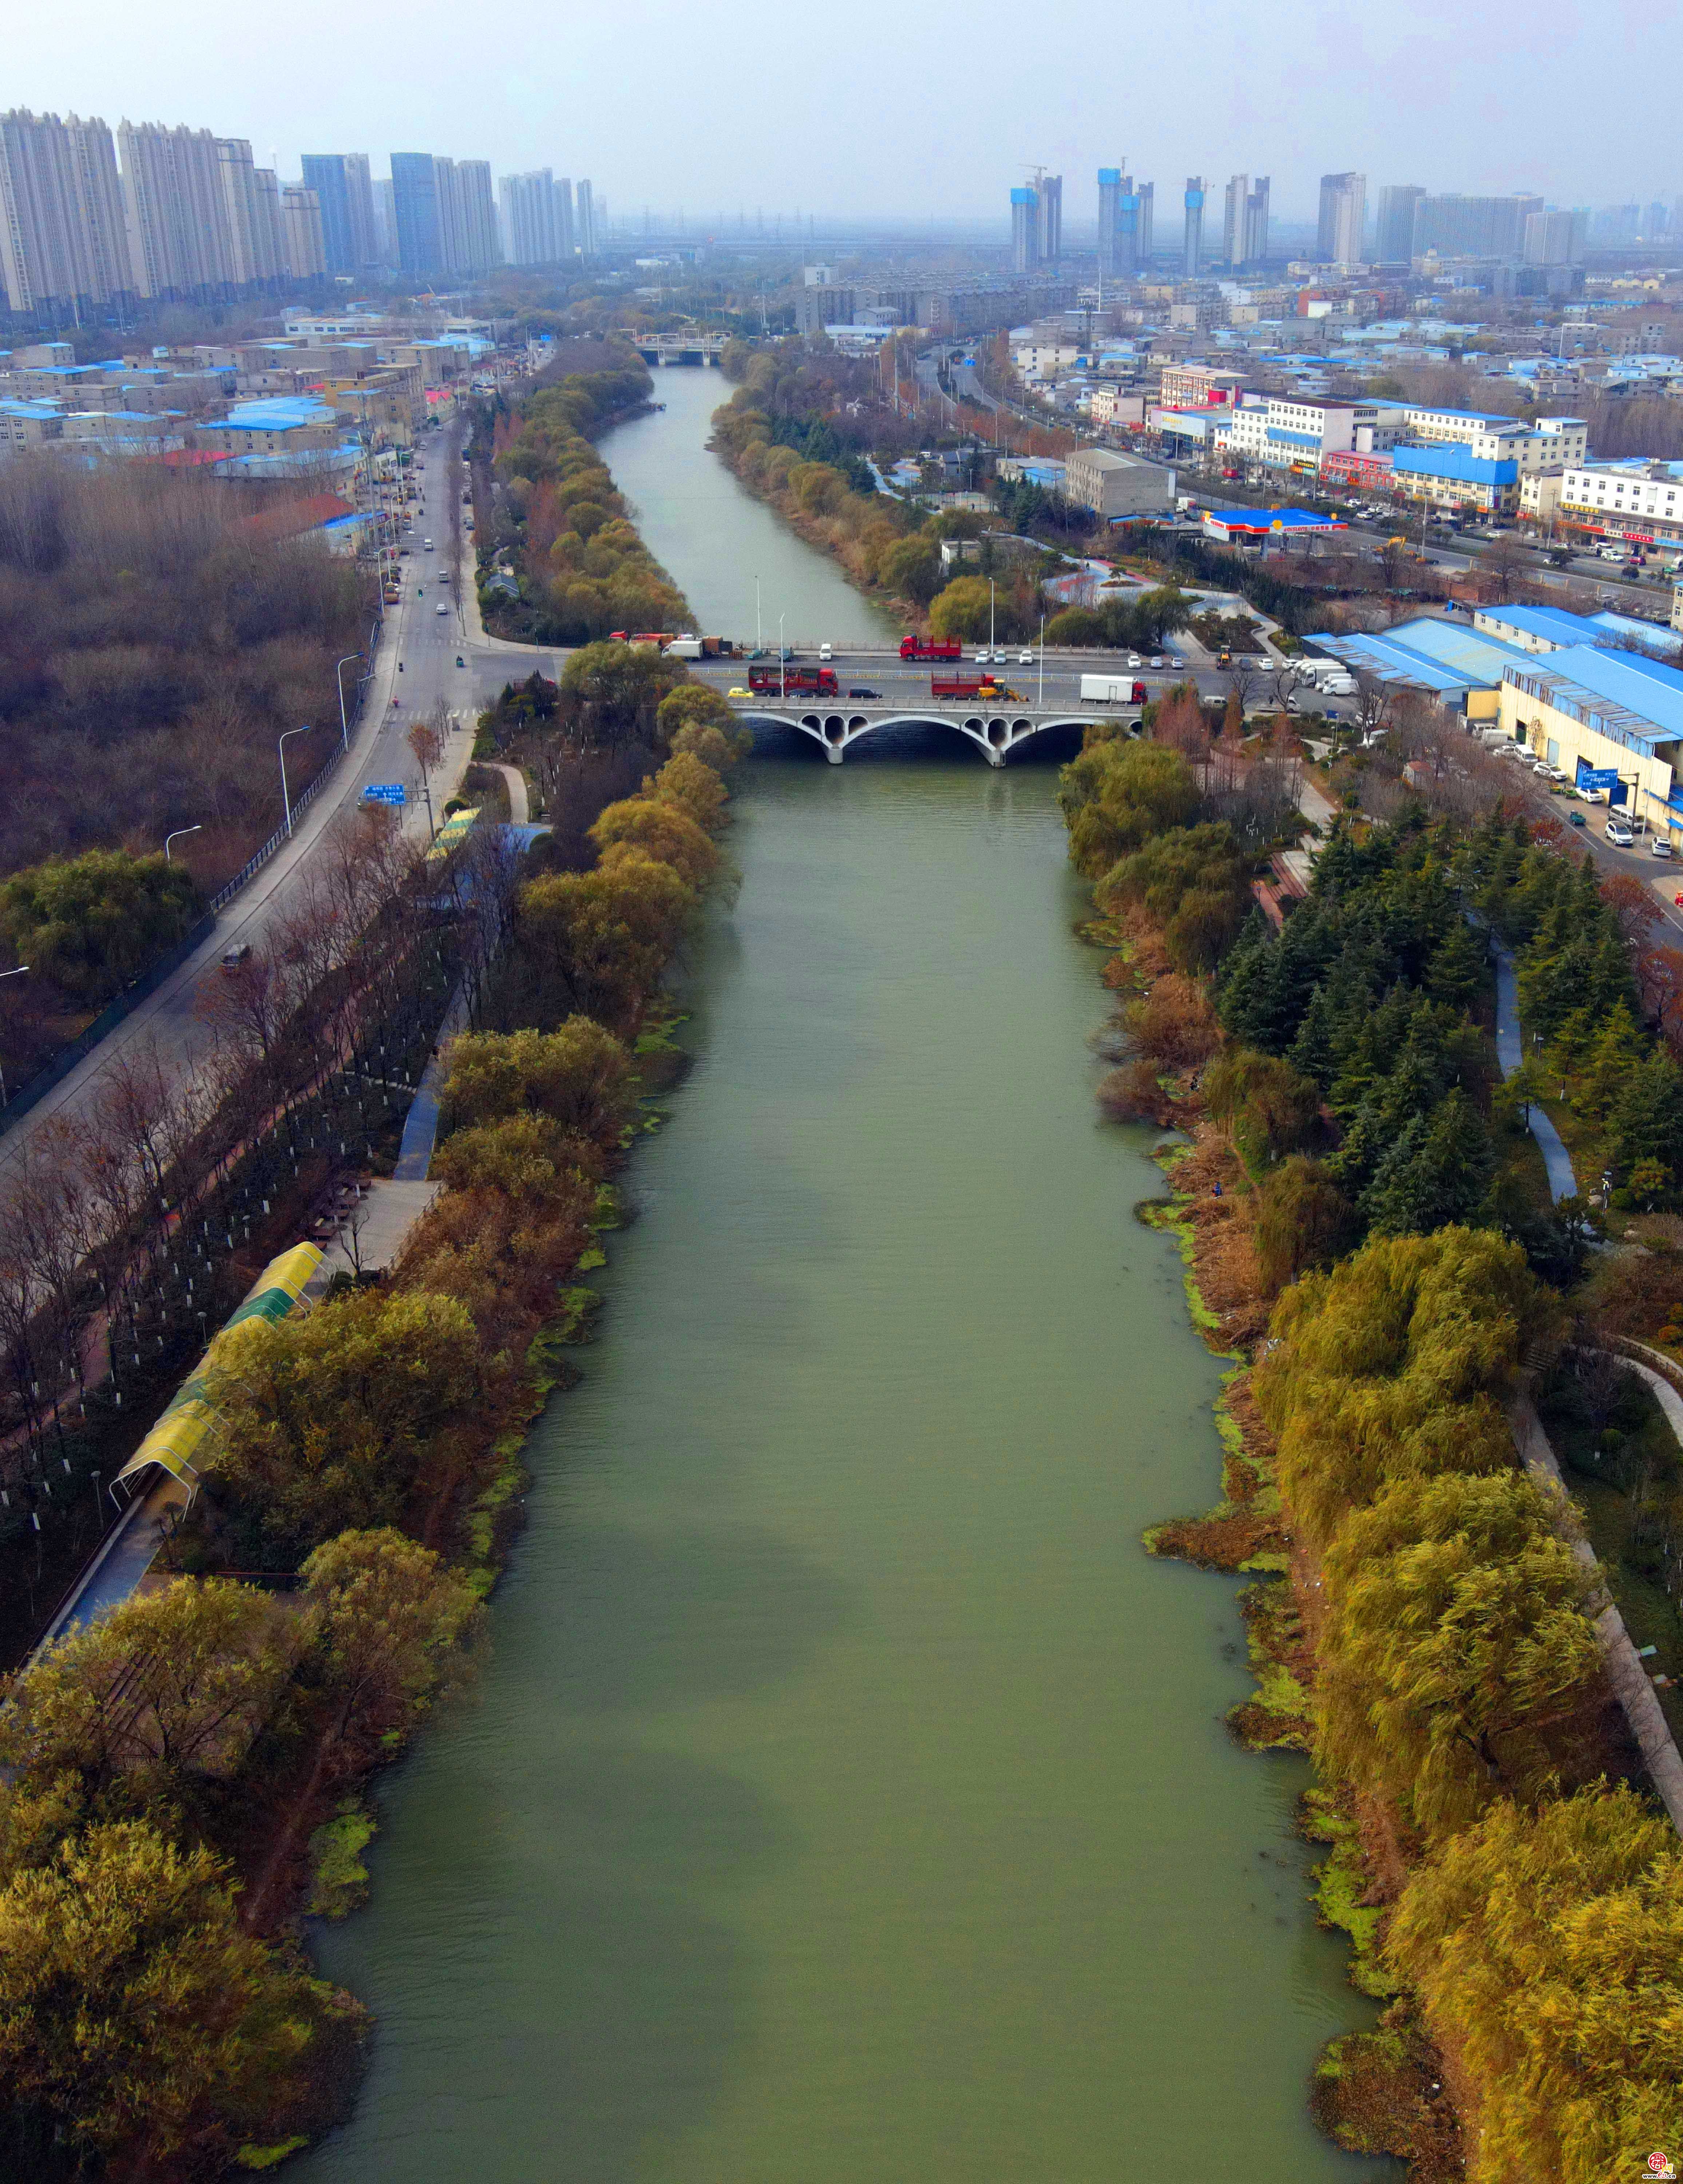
<point>846,1799</point>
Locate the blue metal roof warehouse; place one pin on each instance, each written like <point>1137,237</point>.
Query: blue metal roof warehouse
<point>1553,629</point>
<point>1620,695</point>
<point>1439,656</point>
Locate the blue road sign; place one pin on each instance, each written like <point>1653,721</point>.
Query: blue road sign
<point>1598,777</point>
<point>385,792</point>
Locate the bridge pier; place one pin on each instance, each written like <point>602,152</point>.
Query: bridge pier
<point>833,752</point>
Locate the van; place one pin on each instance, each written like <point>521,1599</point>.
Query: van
<point>826,652</point>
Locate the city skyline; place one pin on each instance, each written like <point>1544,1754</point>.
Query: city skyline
<point>1406,97</point>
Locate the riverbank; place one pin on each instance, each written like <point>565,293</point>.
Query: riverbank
<point>834,506</point>
<point>1421,1621</point>
<point>559,530</point>
<point>365,1465</point>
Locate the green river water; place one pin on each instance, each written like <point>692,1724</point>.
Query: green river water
<point>846,1799</point>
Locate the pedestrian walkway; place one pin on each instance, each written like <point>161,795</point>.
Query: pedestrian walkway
<point>1630,1681</point>
<point>519,809</point>
<point>1511,1053</point>
<point>420,1126</point>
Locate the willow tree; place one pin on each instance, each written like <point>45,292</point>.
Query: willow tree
<point>1548,1946</point>
<point>1456,1640</point>
<point>1396,1364</point>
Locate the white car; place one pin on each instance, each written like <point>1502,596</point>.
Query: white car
<point>1156,660</point>
<point>1660,846</point>
<point>1618,834</point>
<point>441,610</point>
<point>1026,657</point>
<point>984,656</point>
<point>1134,661</point>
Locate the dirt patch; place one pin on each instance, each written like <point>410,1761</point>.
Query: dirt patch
<point>1384,2092</point>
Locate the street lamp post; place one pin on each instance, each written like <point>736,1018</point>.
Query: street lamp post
<point>758,640</point>
<point>782,661</point>
<point>18,973</point>
<point>286,799</point>
<point>344,725</point>
<point>1040,701</point>
<point>990,611</point>
<point>176,836</point>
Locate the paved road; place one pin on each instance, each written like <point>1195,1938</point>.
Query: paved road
<point>907,682</point>
<point>415,664</point>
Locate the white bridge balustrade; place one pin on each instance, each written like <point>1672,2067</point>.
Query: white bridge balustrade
<point>996,730</point>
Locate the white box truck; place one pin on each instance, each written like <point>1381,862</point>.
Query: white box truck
<point>1111,690</point>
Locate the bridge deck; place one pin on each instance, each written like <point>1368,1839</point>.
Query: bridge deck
<point>995,728</point>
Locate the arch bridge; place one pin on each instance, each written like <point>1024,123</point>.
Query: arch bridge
<point>996,730</point>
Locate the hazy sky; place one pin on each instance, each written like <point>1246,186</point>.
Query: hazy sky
<point>874,107</point>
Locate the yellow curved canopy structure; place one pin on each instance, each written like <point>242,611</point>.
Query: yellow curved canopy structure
<point>451,835</point>
<point>190,1419</point>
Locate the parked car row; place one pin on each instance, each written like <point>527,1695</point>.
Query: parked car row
<point>1619,832</point>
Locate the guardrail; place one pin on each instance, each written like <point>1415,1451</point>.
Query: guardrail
<point>303,801</point>
<point>32,1093</point>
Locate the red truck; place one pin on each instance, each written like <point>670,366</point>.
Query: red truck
<point>806,682</point>
<point>961,686</point>
<point>931,648</point>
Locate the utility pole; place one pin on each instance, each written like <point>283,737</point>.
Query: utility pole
<point>286,799</point>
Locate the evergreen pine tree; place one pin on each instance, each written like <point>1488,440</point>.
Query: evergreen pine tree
<point>1647,1122</point>
<point>1456,971</point>
<point>1437,1173</point>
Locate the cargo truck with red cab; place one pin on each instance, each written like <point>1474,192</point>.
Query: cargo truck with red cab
<point>802,682</point>
<point>931,648</point>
